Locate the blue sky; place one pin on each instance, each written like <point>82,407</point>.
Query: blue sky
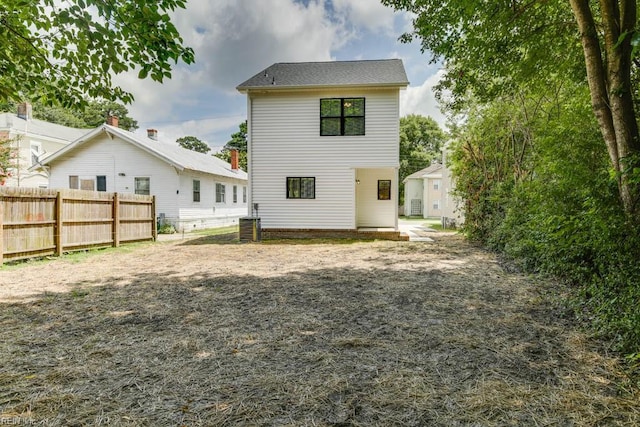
<point>235,39</point>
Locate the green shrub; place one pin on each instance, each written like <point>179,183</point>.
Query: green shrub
<point>166,229</point>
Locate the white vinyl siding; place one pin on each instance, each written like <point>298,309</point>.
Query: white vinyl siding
<point>122,162</point>
<point>371,211</point>
<point>142,185</point>
<point>286,142</point>
<point>206,213</point>
<point>413,197</point>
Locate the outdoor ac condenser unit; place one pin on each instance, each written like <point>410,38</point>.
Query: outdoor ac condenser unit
<point>250,230</point>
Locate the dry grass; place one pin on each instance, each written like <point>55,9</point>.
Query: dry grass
<point>198,333</point>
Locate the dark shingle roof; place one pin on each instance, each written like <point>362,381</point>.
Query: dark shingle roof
<point>385,72</point>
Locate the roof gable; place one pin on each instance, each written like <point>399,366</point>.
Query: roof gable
<point>386,72</point>
<point>421,174</point>
<point>171,153</point>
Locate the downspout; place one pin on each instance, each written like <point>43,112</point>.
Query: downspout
<point>395,190</point>
<point>249,161</point>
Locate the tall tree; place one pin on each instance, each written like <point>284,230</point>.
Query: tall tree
<point>606,37</point>
<point>66,51</point>
<point>238,142</point>
<point>193,143</point>
<point>490,48</point>
<point>7,158</point>
<point>97,112</point>
<point>421,141</point>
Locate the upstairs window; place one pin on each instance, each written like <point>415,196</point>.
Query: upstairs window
<point>301,188</point>
<point>235,194</point>
<point>341,116</point>
<point>36,151</point>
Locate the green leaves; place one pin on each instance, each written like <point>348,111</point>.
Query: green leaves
<point>491,47</point>
<point>421,141</point>
<point>193,143</point>
<point>238,142</point>
<point>69,51</point>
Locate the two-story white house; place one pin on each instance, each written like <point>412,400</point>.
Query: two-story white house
<point>30,139</point>
<point>429,193</point>
<point>193,190</point>
<point>323,145</point>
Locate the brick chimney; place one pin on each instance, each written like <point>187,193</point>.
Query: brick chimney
<point>234,160</point>
<point>152,134</point>
<point>112,121</point>
<point>24,110</point>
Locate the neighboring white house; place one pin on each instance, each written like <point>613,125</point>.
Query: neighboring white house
<point>193,190</point>
<point>323,142</point>
<point>428,194</point>
<point>31,139</point>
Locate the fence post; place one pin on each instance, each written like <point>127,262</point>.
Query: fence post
<point>1,230</point>
<point>57,233</point>
<point>116,220</point>
<point>154,222</point>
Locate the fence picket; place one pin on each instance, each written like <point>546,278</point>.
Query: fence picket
<point>37,222</point>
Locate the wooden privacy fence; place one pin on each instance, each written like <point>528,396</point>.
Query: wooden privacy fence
<point>37,222</point>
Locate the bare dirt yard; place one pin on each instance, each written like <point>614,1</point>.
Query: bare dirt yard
<point>208,332</point>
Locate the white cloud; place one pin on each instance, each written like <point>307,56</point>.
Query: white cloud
<point>421,100</point>
<point>235,39</point>
<point>369,15</point>
<point>169,132</point>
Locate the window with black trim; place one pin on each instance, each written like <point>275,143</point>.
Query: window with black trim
<point>196,190</point>
<point>341,116</point>
<point>101,183</point>
<point>384,189</point>
<point>301,188</point>
<point>235,194</point>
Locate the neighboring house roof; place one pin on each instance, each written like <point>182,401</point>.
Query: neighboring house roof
<point>39,127</point>
<point>421,174</point>
<point>170,152</point>
<point>385,72</point>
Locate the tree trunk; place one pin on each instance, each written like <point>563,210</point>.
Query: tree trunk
<point>610,85</point>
